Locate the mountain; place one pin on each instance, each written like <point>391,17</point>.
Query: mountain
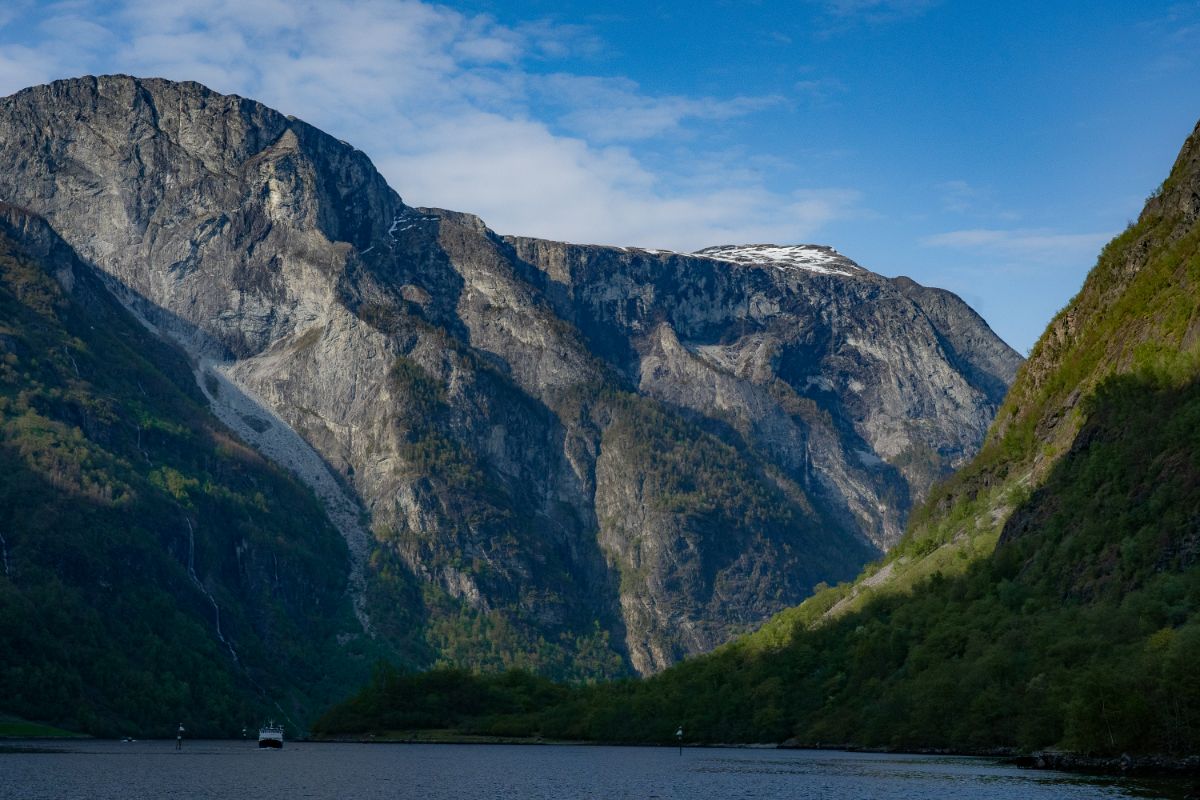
<point>1048,595</point>
<point>154,568</point>
<point>582,460</point>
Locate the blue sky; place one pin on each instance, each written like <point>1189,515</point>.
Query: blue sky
<point>988,148</point>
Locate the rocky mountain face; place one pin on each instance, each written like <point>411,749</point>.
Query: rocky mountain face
<point>578,459</point>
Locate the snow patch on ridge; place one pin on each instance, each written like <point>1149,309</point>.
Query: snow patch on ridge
<point>410,219</point>
<point>816,258</point>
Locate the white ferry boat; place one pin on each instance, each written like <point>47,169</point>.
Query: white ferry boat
<point>271,735</point>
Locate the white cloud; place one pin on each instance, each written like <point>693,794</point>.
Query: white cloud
<point>563,188</point>
<point>615,109</point>
<point>22,66</point>
<point>1034,244</point>
<point>457,110</point>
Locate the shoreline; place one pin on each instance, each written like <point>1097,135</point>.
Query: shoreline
<point>1155,765</point>
<point>1146,766</point>
<point>1151,766</point>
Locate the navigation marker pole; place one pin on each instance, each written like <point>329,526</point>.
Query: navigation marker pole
<point>679,738</point>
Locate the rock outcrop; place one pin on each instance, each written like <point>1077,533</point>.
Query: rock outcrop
<point>577,459</point>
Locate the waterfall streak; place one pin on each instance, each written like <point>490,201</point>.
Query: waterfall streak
<point>191,567</point>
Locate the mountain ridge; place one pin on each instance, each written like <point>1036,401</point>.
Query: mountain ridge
<point>505,419</point>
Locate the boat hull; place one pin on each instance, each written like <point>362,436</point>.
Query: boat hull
<point>274,744</point>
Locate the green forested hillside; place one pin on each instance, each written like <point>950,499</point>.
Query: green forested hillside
<point>1047,595</point>
<point>153,569</point>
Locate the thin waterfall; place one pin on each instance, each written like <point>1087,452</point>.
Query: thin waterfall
<point>191,567</point>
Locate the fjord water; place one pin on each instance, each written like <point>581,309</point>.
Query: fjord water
<point>208,770</point>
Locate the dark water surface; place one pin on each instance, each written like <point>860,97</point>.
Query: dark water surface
<point>153,770</point>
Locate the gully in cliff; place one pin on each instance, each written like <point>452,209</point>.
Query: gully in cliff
<point>271,735</point>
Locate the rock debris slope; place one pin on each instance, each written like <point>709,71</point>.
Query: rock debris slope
<point>579,459</point>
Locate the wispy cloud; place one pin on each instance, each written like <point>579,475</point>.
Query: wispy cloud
<point>458,110</point>
<point>1032,244</point>
<point>600,195</point>
<point>972,200</point>
<point>959,196</point>
<point>1176,38</point>
<point>616,109</point>
<point>11,11</point>
<point>819,90</point>
<point>874,12</point>
<point>22,66</point>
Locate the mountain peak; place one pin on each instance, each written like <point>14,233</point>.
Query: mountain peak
<point>1180,192</point>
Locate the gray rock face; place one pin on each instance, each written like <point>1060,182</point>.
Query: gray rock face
<point>578,459</point>
<point>863,389</point>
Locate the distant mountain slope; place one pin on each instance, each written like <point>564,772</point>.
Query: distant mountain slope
<point>153,569</point>
<point>583,460</point>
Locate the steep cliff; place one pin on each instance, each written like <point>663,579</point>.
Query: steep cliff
<point>577,459</point>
